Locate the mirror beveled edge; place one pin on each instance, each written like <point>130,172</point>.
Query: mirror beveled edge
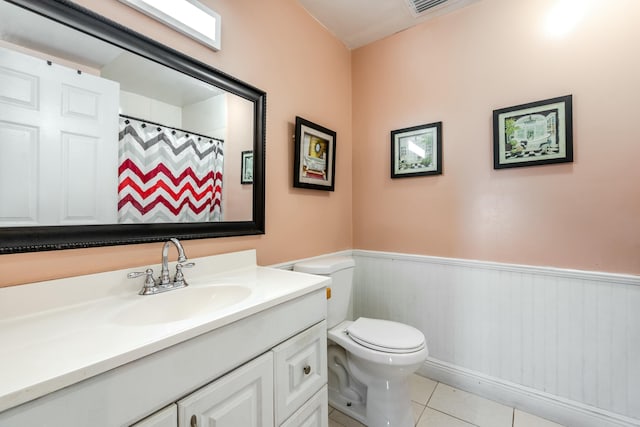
<point>45,238</point>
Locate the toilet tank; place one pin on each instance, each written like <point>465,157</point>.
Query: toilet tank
<point>340,269</point>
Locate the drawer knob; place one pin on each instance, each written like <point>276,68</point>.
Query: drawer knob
<point>307,369</point>
<point>194,421</point>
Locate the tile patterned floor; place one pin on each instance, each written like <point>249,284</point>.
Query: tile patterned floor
<point>439,405</point>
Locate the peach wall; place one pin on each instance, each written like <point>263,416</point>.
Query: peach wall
<point>237,198</point>
<point>457,69</point>
<point>276,46</point>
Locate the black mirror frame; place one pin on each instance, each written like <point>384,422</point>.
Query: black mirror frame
<point>44,238</point>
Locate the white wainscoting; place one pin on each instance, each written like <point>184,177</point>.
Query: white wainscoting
<point>563,344</point>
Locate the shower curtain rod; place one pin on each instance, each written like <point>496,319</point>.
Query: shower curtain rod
<point>170,127</point>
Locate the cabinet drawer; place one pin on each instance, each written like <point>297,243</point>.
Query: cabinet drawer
<point>300,369</point>
<point>314,413</point>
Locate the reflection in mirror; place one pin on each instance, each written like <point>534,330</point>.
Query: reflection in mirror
<point>95,133</point>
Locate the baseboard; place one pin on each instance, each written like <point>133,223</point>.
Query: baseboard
<point>563,411</point>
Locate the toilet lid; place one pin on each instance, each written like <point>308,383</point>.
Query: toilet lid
<point>386,336</point>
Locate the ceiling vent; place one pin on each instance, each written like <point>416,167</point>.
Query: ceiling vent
<point>418,7</point>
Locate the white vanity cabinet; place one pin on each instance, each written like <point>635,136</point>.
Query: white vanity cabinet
<point>265,369</point>
<point>284,387</point>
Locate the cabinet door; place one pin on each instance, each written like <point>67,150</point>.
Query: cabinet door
<point>300,369</point>
<point>243,397</point>
<point>314,413</point>
<point>167,417</point>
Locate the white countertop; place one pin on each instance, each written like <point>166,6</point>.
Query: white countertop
<point>56,333</point>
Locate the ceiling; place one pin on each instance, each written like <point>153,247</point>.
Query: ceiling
<point>355,22</point>
<point>360,22</point>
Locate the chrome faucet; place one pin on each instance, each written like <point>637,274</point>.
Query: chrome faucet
<point>164,283</point>
<point>165,279</point>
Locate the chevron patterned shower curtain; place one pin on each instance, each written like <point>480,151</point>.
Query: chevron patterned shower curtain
<point>167,175</point>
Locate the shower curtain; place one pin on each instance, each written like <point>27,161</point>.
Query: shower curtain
<point>167,174</point>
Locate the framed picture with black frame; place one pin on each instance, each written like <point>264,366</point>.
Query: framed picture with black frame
<point>246,171</point>
<point>537,133</point>
<point>416,151</point>
<point>315,156</point>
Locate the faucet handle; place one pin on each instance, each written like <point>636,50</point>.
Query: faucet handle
<point>149,282</point>
<point>179,279</point>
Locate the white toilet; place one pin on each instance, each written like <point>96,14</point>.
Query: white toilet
<point>370,360</point>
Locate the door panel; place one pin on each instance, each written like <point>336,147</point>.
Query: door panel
<point>18,173</point>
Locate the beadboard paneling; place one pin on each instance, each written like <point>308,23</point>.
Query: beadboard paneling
<point>565,333</point>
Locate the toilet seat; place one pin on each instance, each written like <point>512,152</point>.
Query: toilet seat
<point>386,336</point>
<point>339,336</point>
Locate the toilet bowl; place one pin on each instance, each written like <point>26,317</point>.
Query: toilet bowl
<point>370,360</point>
<point>384,371</point>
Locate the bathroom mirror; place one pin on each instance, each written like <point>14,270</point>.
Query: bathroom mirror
<point>139,143</point>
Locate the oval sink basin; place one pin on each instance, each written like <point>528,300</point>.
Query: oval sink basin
<point>180,304</point>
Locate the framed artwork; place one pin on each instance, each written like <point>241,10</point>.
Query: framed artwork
<point>315,156</point>
<point>416,151</point>
<point>537,133</point>
<point>246,171</point>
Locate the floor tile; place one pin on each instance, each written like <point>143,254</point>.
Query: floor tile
<point>471,408</point>
<point>344,420</point>
<point>333,423</point>
<point>524,419</point>
<point>432,418</point>
<point>417,409</point>
<point>421,388</point>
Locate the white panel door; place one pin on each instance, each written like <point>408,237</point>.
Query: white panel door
<point>243,397</point>
<point>59,149</point>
